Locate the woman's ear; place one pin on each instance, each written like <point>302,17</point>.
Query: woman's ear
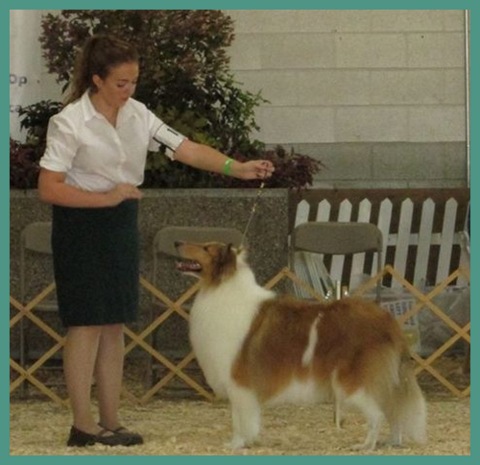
<point>97,81</point>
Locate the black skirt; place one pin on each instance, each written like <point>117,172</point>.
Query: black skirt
<point>96,264</point>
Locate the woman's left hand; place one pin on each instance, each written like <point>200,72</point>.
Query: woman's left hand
<point>256,169</point>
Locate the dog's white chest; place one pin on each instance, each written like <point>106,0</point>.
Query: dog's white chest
<point>219,321</point>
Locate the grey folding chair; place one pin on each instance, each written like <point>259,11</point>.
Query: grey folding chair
<point>335,238</point>
<point>35,242</point>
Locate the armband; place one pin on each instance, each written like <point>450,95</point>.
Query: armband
<point>167,136</point>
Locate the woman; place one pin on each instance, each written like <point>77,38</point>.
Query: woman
<point>93,164</point>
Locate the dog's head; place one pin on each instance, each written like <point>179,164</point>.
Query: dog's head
<point>212,262</point>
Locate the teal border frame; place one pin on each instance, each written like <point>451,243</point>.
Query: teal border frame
<point>7,5</point>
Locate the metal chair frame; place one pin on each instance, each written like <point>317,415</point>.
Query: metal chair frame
<point>337,238</point>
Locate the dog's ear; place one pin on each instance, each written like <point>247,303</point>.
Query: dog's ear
<point>225,251</point>
<point>242,251</point>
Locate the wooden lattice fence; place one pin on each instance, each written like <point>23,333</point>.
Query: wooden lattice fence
<point>421,240</point>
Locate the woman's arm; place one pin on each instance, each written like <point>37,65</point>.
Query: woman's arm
<point>53,189</point>
<point>209,159</point>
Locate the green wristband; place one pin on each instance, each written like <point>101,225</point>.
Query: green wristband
<point>227,167</point>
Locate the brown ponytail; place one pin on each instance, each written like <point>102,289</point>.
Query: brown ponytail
<point>99,54</point>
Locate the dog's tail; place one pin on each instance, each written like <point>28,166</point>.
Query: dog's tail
<point>407,410</point>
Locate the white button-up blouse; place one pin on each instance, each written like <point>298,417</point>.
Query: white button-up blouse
<point>94,155</point>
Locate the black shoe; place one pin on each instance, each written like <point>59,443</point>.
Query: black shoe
<point>106,437</point>
<point>134,438</point>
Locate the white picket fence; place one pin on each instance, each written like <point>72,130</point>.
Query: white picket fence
<point>408,248</point>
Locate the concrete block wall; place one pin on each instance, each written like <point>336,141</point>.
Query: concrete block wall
<point>378,96</point>
<point>267,239</point>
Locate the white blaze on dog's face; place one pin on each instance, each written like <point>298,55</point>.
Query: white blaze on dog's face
<point>212,262</point>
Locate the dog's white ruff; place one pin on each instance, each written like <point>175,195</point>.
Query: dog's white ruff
<point>220,319</point>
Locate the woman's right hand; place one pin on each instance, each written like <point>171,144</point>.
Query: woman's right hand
<point>53,189</point>
<point>123,192</point>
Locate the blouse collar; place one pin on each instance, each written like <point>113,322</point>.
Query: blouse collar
<point>89,111</point>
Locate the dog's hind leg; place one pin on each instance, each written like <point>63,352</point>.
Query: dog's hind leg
<point>338,402</point>
<point>372,413</point>
<point>246,416</point>
<point>338,415</point>
<point>406,410</point>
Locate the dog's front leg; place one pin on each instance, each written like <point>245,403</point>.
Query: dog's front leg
<point>246,417</point>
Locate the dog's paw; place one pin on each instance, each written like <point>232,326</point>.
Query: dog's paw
<point>237,443</point>
<point>394,444</point>
<point>363,447</point>
<point>340,425</point>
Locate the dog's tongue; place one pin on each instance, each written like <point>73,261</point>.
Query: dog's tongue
<point>188,266</point>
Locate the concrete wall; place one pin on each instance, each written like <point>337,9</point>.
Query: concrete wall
<point>266,237</point>
<point>378,96</point>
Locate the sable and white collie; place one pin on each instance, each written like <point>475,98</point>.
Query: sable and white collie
<point>255,347</point>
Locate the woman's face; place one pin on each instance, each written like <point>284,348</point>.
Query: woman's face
<point>119,85</point>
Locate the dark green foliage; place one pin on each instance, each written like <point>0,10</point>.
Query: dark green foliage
<point>24,158</point>
<point>23,165</point>
<point>34,119</point>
